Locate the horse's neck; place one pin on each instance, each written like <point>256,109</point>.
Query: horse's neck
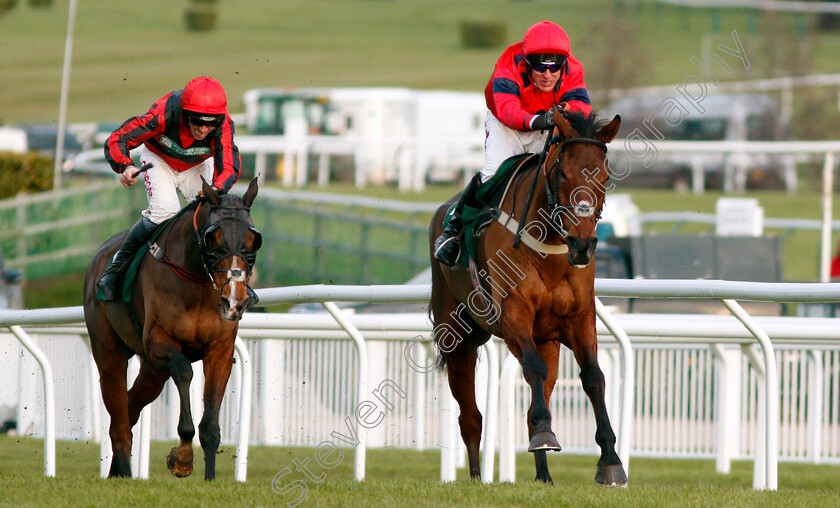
<point>181,244</point>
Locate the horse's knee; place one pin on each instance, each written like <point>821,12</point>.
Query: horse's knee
<point>534,365</point>
<point>180,369</point>
<point>591,377</point>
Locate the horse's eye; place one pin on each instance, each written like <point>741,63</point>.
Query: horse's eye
<point>255,240</point>
<point>559,168</point>
<point>213,238</point>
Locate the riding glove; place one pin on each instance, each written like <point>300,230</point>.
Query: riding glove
<point>543,121</point>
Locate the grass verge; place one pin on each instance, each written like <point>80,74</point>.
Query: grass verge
<point>393,478</point>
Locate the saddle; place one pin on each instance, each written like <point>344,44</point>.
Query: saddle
<point>130,274</point>
<point>490,195</point>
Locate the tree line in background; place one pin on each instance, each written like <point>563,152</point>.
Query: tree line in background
<point>200,15</point>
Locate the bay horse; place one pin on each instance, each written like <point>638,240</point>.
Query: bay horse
<point>537,295</point>
<point>172,321</point>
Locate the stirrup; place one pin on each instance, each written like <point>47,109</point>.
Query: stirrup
<point>444,252</point>
<point>109,285</point>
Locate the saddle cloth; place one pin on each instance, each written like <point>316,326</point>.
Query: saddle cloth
<point>130,273</point>
<point>490,195</point>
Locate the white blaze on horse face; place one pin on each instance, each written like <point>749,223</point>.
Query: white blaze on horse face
<point>236,265</point>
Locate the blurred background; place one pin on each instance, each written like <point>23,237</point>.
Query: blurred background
<point>360,116</point>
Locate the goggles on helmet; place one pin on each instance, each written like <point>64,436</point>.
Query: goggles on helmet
<point>541,62</point>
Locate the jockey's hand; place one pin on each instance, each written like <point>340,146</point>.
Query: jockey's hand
<point>543,121</point>
<point>129,176</point>
<point>218,191</point>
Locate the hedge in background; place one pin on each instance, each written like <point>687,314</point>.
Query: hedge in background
<point>28,172</point>
<point>483,34</point>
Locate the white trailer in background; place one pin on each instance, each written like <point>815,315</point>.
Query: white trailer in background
<point>392,134</point>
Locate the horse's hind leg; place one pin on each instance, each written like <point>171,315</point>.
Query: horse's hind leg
<point>455,333</point>
<point>217,366</point>
<point>460,369</point>
<point>111,357</point>
<point>610,470</point>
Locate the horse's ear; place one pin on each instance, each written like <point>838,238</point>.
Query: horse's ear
<point>210,193</point>
<point>562,125</point>
<point>608,132</point>
<point>251,193</point>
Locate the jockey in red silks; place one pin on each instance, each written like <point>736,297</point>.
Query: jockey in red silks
<point>185,135</point>
<point>530,78</point>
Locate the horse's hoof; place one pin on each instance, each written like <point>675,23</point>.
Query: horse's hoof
<point>547,479</point>
<point>177,465</point>
<point>545,441</point>
<point>611,476</point>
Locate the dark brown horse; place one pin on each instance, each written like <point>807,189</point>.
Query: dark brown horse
<point>538,295</point>
<point>183,308</point>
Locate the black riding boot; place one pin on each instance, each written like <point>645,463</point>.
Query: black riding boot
<point>109,282</point>
<point>447,247</point>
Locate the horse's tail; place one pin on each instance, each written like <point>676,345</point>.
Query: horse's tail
<point>440,361</point>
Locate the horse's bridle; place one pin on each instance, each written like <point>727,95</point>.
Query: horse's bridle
<point>209,259</point>
<point>555,208</point>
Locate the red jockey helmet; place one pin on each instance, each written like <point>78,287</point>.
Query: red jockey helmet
<point>204,95</point>
<point>547,38</point>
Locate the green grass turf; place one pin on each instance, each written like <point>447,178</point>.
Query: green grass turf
<point>394,478</point>
<point>127,54</point>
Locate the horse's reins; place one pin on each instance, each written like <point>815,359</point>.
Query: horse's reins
<point>543,154</point>
<point>554,204</point>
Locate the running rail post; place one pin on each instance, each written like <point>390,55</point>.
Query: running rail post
<point>771,388</point>
<point>491,418</point>
<point>627,381</point>
<point>815,407</point>
<point>49,398</point>
<point>241,467</point>
<point>359,464</point>
<point>507,413</point>
<point>759,465</point>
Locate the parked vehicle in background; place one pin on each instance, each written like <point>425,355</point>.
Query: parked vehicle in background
<point>390,134</point>
<point>725,117</point>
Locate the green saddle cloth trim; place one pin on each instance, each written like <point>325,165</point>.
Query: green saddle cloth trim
<point>130,273</point>
<point>488,193</point>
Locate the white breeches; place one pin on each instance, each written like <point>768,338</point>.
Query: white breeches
<point>502,142</point>
<point>163,183</point>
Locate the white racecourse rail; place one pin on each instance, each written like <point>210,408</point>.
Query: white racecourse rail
<point>694,394</point>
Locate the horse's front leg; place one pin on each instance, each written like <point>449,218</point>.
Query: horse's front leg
<point>217,366</point>
<point>585,347</point>
<point>549,352</point>
<point>180,459</point>
<point>165,356</point>
<point>536,373</point>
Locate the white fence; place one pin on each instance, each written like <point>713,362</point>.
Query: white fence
<point>698,387</point>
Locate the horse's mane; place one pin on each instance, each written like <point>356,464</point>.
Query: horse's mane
<point>585,125</point>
